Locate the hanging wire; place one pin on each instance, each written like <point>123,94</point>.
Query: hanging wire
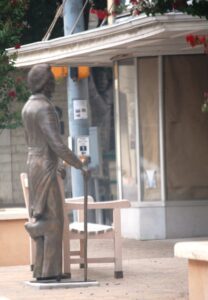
<point>59,12</point>
<point>51,27</point>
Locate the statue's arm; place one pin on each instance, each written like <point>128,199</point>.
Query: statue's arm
<point>47,121</point>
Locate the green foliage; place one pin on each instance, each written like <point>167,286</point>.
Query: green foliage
<point>11,22</point>
<point>198,8</point>
<point>195,7</point>
<point>13,90</point>
<point>99,4</point>
<point>152,7</point>
<point>21,22</point>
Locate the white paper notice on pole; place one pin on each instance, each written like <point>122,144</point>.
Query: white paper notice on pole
<point>80,109</point>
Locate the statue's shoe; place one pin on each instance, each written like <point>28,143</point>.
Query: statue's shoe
<point>57,278</point>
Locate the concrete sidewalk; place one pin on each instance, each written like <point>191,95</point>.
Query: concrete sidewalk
<point>150,272</point>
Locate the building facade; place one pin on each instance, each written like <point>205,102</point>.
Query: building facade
<point>161,133</point>
<point>162,145</point>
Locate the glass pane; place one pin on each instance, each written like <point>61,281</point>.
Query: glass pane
<point>186,127</point>
<point>127,129</point>
<point>149,128</point>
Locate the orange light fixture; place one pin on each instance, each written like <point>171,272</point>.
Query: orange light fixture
<point>59,72</point>
<point>83,72</point>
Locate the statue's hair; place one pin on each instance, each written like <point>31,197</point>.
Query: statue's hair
<point>38,76</point>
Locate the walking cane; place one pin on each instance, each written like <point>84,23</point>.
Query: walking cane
<point>85,178</point>
<point>85,161</point>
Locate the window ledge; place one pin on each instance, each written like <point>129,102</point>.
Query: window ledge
<point>13,213</point>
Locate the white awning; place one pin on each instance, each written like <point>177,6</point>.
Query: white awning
<point>135,37</point>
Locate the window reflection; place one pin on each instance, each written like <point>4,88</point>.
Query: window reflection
<point>149,127</point>
<point>127,130</point>
<point>186,127</point>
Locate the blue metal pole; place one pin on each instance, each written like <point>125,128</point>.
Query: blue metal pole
<point>76,90</point>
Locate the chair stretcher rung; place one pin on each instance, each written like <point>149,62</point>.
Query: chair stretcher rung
<point>93,260</point>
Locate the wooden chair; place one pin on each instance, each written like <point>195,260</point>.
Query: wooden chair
<point>24,183</point>
<point>75,230</point>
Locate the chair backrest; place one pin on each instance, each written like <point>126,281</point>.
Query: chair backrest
<point>90,199</point>
<point>75,199</point>
<point>25,189</point>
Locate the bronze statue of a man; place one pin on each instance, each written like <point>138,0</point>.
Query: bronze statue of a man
<point>45,148</point>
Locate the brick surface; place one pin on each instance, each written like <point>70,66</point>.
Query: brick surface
<point>13,153</point>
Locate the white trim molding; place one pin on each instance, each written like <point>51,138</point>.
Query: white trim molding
<point>138,36</point>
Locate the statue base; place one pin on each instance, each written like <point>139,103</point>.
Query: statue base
<point>63,284</point>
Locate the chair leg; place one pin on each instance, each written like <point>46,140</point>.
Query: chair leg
<point>118,274</point>
<point>66,250</point>
<point>66,260</point>
<point>117,244</point>
<point>81,243</point>
<point>32,253</point>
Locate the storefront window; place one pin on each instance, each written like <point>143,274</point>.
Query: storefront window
<point>148,99</point>
<point>127,115</point>
<point>186,127</point>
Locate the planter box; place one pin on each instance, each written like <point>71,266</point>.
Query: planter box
<point>197,255</point>
<point>14,240</point>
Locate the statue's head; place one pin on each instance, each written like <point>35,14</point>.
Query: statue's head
<point>41,80</point>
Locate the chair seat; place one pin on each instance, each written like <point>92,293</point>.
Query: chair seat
<point>92,228</point>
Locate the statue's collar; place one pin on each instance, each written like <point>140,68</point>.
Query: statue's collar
<point>39,96</point>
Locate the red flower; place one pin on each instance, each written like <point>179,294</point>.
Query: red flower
<point>17,46</point>
<point>18,79</point>
<point>179,4</point>
<point>101,14</point>
<point>13,2</point>
<point>197,40</point>
<point>12,94</point>
<point>117,2</point>
<point>191,39</point>
<point>136,12</point>
<point>174,6</point>
<point>202,39</point>
<point>205,94</point>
